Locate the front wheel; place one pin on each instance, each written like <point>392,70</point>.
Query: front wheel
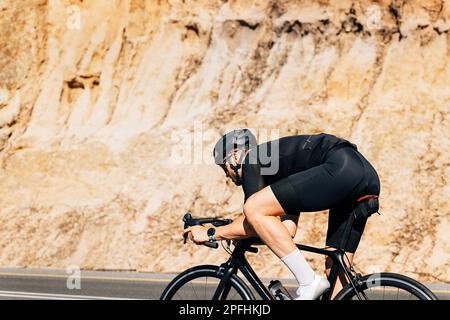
<point>386,286</point>
<point>200,283</point>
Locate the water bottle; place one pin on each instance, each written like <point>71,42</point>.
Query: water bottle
<point>278,291</point>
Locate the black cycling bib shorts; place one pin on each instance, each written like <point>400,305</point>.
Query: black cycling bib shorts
<point>319,172</point>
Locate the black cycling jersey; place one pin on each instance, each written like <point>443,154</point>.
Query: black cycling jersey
<point>295,154</point>
<point>313,173</point>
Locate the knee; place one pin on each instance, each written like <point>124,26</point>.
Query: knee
<point>251,209</point>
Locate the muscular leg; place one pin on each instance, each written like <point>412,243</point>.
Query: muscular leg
<point>337,221</point>
<point>262,211</point>
<point>289,222</point>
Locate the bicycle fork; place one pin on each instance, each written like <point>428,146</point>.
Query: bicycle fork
<point>231,267</point>
<point>225,283</point>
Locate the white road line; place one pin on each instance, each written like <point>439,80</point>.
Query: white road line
<point>60,276</point>
<point>38,295</point>
<point>34,297</point>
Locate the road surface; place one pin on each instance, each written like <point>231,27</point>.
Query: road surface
<point>37,284</point>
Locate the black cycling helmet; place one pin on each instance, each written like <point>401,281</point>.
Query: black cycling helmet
<point>239,139</point>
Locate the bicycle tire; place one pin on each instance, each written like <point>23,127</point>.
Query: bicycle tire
<point>210,271</point>
<point>391,280</point>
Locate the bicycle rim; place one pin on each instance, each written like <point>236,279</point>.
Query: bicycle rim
<point>200,283</point>
<point>387,286</point>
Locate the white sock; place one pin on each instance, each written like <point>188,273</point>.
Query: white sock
<point>299,267</point>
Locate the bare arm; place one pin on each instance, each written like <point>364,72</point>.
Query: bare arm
<point>241,229</point>
<point>238,229</point>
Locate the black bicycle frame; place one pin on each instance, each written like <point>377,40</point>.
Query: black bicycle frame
<point>239,262</point>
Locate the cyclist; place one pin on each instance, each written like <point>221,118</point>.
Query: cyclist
<point>284,177</point>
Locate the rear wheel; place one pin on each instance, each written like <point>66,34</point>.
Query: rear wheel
<point>200,283</point>
<point>386,286</point>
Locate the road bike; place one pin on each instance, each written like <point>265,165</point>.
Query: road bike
<point>211,282</point>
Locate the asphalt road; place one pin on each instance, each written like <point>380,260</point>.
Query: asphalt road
<point>58,285</point>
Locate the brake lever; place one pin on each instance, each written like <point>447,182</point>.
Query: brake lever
<point>186,218</point>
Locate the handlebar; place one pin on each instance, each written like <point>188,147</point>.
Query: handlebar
<point>189,222</point>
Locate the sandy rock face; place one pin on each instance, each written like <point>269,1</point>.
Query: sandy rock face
<point>98,100</point>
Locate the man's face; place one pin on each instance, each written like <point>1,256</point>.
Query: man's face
<point>229,172</point>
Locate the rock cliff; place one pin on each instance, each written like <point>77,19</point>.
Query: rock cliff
<point>96,98</point>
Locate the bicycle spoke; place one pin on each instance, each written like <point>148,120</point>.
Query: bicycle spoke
<point>192,286</point>
<point>179,295</point>
<point>233,296</point>
<point>389,292</point>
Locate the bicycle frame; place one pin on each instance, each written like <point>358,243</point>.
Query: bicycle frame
<point>238,262</point>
